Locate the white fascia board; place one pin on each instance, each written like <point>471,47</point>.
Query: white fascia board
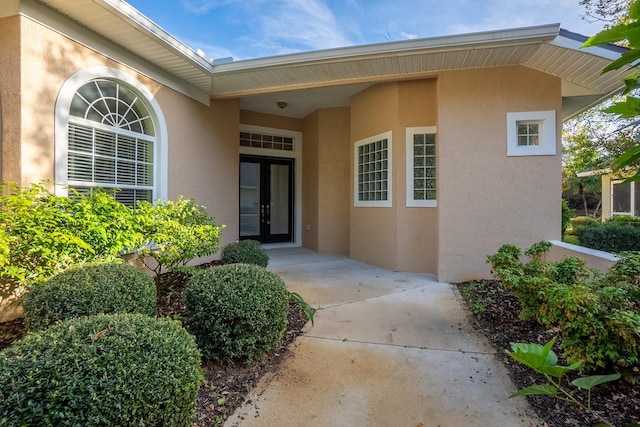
<point>595,172</point>
<point>136,19</point>
<point>542,33</point>
<point>573,41</point>
<point>62,25</point>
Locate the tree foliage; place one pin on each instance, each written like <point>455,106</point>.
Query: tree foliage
<point>612,12</point>
<point>627,32</point>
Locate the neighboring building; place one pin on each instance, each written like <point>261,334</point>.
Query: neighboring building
<point>618,197</point>
<point>421,155</point>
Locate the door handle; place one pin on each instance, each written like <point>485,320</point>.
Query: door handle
<point>268,216</point>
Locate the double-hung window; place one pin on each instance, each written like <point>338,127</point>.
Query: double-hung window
<point>421,166</point>
<point>372,166</point>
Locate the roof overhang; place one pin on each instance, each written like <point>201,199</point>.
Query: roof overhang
<point>329,77</point>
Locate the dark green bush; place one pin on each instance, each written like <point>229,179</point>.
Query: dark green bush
<point>625,219</point>
<point>245,252</point>
<point>93,289</point>
<point>236,311</point>
<point>611,237</point>
<point>105,370</point>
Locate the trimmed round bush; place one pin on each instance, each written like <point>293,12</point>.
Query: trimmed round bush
<point>88,290</point>
<point>245,252</point>
<point>236,311</point>
<point>611,237</point>
<point>104,370</point>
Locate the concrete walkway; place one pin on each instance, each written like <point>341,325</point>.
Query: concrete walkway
<point>387,349</point>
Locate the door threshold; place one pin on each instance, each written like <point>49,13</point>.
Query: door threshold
<point>281,245</point>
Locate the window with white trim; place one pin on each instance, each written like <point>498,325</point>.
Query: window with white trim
<point>111,142</point>
<point>531,133</point>
<point>421,166</point>
<point>625,198</point>
<point>372,166</point>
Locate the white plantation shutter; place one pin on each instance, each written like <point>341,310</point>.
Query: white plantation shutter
<point>111,142</point>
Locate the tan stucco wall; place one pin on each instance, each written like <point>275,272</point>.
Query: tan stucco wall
<point>417,228</point>
<point>9,98</point>
<point>485,198</point>
<point>373,236</point>
<point>202,140</point>
<point>399,238</point>
<point>310,191</point>
<point>271,121</point>
<point>334,188</point>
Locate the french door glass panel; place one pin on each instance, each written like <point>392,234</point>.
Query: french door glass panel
<point>249,199</point>
<point>280,208</point>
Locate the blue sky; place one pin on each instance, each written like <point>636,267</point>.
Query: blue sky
<point>245,29</point>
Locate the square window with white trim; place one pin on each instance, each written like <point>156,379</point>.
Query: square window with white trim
<point>372,176</point>
<point>531,133</point>
<point>421,166</point>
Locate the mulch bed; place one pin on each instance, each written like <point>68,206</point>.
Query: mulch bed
<point>495,313</point>
<point>226,384</point>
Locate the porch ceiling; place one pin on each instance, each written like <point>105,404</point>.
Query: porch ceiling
<point>328,78</point>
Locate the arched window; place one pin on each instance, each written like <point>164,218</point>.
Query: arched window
<point>110,141</point>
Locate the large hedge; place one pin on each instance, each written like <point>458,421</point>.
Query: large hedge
<point>236,311</point>
<point>92,289</point>
<point>612,236</point>
<point>105,370</point>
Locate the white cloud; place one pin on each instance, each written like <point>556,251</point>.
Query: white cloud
<point>408,36</point>
<point>300,24</point>
<point>200,7</point>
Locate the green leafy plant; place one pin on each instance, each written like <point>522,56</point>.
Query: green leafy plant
<point>88,290</point>
<point>44,234</point>
<point>567,214</point>
<point>246,252</point>
<point>597,315</point>
<point>118,369</point>
<point>296,298</point>
<point>236,311</point>
<point>544,361</point>
<point>177,232</point>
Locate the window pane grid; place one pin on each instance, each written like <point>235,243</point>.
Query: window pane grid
<point>528,133</point>
<point>99,157</point>
<point>373,171</point>
<point>261,140</point>
<point>424,166</point>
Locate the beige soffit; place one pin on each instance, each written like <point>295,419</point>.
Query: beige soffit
<point>546,48</point>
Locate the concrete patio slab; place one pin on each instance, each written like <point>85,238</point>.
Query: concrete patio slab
<point>387,349</point>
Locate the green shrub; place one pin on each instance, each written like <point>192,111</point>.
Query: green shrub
<point>567,214</point>
<point>106,370</point>
<point>582,221</point>
<point>236,311</point>
<point>45,234</point>
<point>611,237</point>
<point>245,252</point>
<point>625,219</point>
<point>599,324</point>
<point>93,289</point>
<point>598,316</point>
<point>571,239</point>
<point>178,232</point>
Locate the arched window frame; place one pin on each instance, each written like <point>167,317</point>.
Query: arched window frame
<point>62,109</point>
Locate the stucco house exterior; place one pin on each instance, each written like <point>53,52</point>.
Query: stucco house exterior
<point>420,155</point>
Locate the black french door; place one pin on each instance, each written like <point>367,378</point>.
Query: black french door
<point>266,199</point>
